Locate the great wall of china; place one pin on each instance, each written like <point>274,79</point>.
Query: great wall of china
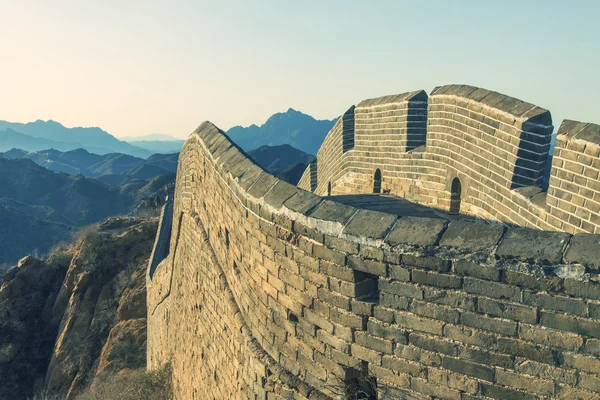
<point>258,289</point>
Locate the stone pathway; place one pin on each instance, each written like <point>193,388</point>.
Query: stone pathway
<point>393,205</point>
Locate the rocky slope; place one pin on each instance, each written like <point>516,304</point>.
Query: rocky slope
<point>80,315</point>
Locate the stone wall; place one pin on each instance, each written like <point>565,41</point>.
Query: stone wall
<point>272,292</point>
<point>495,145</point>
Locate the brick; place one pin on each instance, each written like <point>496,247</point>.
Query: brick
<point>581,362</point>
<point>374,343</point>
<point>482,356</point>
<point>333,341</point>
<point>330,255</point>
<point>386,331</point>
<point>530,351</point>
<point>557,303</point>
<point>469,368</point>
<point>348,319</point>
<point>549,284</point>
<point>568,393</point>
<point>362,307</point>
<point>422,386</point>
<point>318,320</point>
<point>587,290</point>
<point>400,289</point>
<point>368,266</point>
<point>492,289</point>
<point>567,323</point>
<point>592,346</point>
<point>341,245</point>
<point>435,311</point>
<point>498,392</point>
<point>453,380</point>
<point>365,354</point>
<point>387,376</point>
<point>504,327</point>
<point>450,298</point>
<point>525,383</point>
<point>333,298</point>
<point>431,263</point>
<point>411,321</point>
<point>507,310</point>
<point>463,267</point>
<point>399,273</point>
<point>336,271</point>
<point>550,337</point>
<point>435,279</point>
<point>394,301</point>
<point>468,335</point>
<point>383,314</point>
<point>432,343</point>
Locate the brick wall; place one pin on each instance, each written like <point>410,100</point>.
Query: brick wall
<point>271,292</point>
<point>496,145</point>
<point>574,190</point>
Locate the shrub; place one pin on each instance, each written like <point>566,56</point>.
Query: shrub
<point>131,385</point>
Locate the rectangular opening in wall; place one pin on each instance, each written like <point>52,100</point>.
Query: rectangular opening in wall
<point>348,130</point>
<point>313,175</point>
<point>358,385</point>
<point>416,124</point>
<point>366,286</point>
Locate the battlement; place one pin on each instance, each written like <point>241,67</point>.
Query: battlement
<point>492,148</point>
<point>267,290</point>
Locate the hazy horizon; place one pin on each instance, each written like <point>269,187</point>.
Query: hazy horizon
<point>138,68</point>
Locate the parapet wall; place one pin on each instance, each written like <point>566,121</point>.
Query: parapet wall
<point>496,147</point>
<point>271,292</point>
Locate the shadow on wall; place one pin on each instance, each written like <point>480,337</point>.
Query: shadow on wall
<point>416,122</point>
<point>533,157</point>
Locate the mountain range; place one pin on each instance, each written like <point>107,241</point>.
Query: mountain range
<point>291,127</point>
<point>111,168</point>
<point>46,196</point>
<point>283,161</point>
<point>40,135</point>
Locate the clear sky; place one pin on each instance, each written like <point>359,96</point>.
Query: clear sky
<point>138,67</point>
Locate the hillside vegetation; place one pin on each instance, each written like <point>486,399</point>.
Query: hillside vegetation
<point>74,324</point>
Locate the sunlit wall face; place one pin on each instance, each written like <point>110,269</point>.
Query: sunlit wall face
<point>139,67</point>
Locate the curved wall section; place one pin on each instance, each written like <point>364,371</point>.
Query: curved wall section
<point>271,292</point>
<point>496,145</point>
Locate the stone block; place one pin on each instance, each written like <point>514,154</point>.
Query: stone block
<point>416,231</point>
<point>528,350</point>
<point>370,224</point>
<point>504,327</point>
<point>471,236</point>
<point>468,268</point>
<point>368,266</point>
<point>533,245</point>
<point>332,211</point>
<point>492,289</point>
<point>468,368</point>
<point>435,279</point>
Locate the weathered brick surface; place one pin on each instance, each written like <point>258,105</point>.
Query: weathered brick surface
<point>264,294</point>
<point>495,144</point>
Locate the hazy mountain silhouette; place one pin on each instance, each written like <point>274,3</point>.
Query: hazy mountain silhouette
<point>62,138</point>
<point>151,136</point>
<point>293,173</point>
<point>160,146</point>
<point>113,168</point>
<point>39,207</point>
<point>291,127</point>
<point>277,159</point>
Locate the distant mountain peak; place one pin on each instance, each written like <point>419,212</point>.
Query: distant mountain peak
<point>290,127</point>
